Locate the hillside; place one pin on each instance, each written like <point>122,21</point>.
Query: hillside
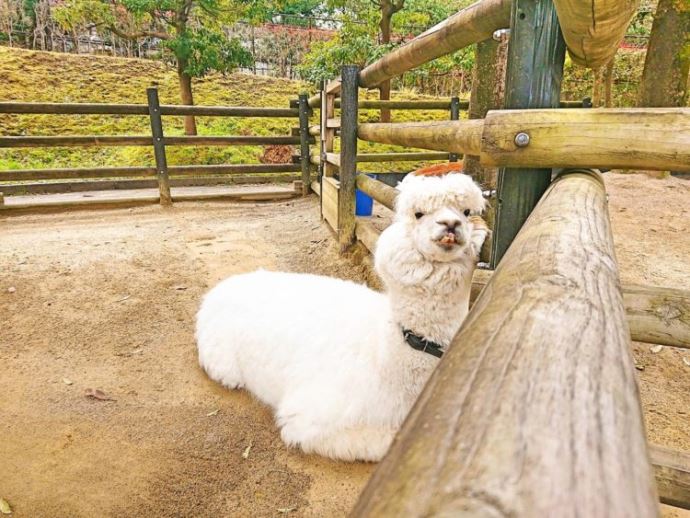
<point>55,77</point>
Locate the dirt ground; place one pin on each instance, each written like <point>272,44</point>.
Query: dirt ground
<point>106,300</point>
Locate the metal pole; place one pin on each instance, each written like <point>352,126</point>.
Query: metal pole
<point>159,146</point>
<point>348,156</point>
<point>304,112</point>
<point>536,52</point>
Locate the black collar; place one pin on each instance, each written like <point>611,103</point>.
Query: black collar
<point>422,344</point>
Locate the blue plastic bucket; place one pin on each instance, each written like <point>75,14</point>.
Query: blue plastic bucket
<point>364,203</point>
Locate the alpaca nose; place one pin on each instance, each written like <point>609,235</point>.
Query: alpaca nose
<point>450,223</point>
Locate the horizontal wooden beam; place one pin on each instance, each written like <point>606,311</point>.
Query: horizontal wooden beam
<point>488,436</point>
<point>672,473</point>
<point>393,157</point>
<point>141,140</point>
<point>140,183</point>
<point>333,87</point>
<point>621,138</point>
<point>142,109</point>
<point>379,191</point>
<point>333,123</point>
<point>113,172</point>
<point>463,136</point>
<point>470,25</point>
<point>655,315</point>
<point>625,138</point>
<point>133,201</point>
<point>429,104</point>
<point>333,158</point>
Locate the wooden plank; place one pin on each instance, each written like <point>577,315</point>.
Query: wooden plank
<point>142,109</point>
<point>508,424</point>
<point>329,201</point>
<point>235,140</point>
<point>121,202</point>
<point>394,157</point>
<point>470,25</point>
<point>454,136</point>
<point>672,473</point>
<point>631,138</point>
<point>333,158</point>
<point>71,141</point>
<point>333,87</point>
<point>333,123</point>
<point>186,170</point>
<point>534,71</point>
<point>142,183</point>
<point>658,315</point>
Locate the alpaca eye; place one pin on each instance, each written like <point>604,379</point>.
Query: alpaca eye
<point>467,212</point>
<point>418,214</point>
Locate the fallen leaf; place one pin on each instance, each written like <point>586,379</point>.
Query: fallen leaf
<point>179,288</point>
<point>286,510</point>
<point>245,453</point>
<point>686,361</point>
<point>5,507</point>
<point>215,412</point>
<point>657,348</point>
<point>67,381</point>
<point>97,394</point>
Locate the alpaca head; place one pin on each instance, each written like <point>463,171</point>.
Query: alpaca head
<point>435,212</point>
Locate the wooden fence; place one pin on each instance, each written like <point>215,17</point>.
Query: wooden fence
<point>488,436</point>
<point>159,142</point>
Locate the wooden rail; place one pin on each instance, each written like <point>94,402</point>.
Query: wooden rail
<point>393,157</point>
<point>510,424</point>
<point>142,140</point>
<point>644,138</point>
<point>142,109</point>
<point>655,315</point>
<point>470,25</point>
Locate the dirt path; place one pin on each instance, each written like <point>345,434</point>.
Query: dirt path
<point>106,300</point>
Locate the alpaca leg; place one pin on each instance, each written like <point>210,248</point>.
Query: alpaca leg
<point>366,443</point>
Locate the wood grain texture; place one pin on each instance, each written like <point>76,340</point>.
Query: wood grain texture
<point>470,25</point>
<point>645,138</point>
<point>593,30</point>
<point>453,136</point>
<point>658,315</point>
<point>534,410</point>
<point>672,473</point>
<point>382,193</point>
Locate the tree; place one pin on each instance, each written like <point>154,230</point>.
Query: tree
<point>665,75</point>
<point>191,32</point>
<point>388,9</point>
<point>10,14</point>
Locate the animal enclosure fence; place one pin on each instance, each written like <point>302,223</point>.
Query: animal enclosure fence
<point>165,175</point>
<point>487,435</point>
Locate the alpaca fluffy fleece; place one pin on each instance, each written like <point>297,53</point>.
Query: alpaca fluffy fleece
<point>329,355</point>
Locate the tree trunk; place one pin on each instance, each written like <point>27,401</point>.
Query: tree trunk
<point>187,98</point>
<point>665,76</point>
<point>387,12</point>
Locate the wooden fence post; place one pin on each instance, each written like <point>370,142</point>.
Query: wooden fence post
<point>536,52</point>
<point>454,116</point>
<point>304,113</point>
<point>348,155</point>
<point>159,146</point>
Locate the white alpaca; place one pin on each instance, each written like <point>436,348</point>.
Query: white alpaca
<point>330,356</point>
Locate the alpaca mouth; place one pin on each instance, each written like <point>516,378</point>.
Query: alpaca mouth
<point>448,240</point>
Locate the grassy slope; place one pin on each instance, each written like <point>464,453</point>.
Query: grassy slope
<point>54,77</point>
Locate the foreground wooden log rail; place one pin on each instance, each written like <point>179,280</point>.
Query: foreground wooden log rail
<point>655,315</point>
<point>644,138</point>
<point>534,409</point>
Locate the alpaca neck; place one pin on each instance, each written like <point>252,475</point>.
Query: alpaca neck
<point>436,308</point>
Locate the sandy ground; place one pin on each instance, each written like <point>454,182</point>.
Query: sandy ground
<point>106,300</point>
